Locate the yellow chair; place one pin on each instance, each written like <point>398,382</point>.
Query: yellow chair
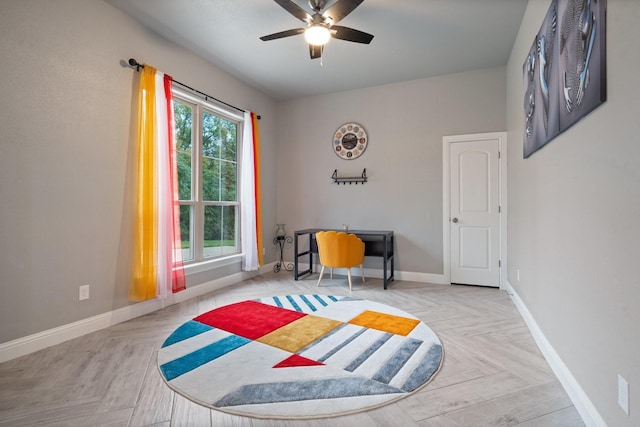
<point>340,250</point>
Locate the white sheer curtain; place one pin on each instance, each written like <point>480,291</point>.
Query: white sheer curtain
<point>248,205</point>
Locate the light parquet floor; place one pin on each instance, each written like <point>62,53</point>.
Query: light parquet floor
<point>493,373</point>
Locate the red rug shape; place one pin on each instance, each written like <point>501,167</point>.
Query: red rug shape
<point>249,319</point>
<point>296,360</point>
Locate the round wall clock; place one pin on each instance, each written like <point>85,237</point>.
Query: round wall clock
<point>350,141</point>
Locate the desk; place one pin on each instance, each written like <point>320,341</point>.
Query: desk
<point>376,243</point>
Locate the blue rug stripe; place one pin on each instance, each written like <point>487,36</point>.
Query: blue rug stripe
<point>342,344</point>
<point>299,302</point>
<point>397,361</point>
<point>191,361</point>
<point>425,369</point>
<point>320,300</point>
<point>309,304</point>
<point>295,305</point>
<point>293,391</point>
<point>368,352</point>
<point>186,331</point>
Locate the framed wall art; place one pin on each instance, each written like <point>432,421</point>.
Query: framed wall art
<point>564,72</point>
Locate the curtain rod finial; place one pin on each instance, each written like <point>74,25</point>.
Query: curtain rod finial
<point>134,63</point>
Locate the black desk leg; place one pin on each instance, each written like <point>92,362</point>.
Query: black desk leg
<point>384,258</point>
<point>295,256</point>
<point>393,257</point>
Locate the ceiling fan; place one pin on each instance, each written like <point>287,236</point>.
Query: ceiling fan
<point>321,26</point>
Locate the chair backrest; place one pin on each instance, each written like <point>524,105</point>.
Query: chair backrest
<point>339,249</point>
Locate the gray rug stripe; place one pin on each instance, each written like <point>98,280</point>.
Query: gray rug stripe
<point>368,352</point>
<point>397,361</point>
<point>305,390</point>
<point>427,367</point>
<point>342,344</point>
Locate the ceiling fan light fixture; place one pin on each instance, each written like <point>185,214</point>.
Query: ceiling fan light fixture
<point>317,35</point>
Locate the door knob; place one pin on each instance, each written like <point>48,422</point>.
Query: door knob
<point>454,220</point>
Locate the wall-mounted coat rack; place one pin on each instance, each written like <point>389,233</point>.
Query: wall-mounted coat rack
<point>350,179</point>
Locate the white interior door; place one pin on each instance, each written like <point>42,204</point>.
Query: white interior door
<point>475,212</point>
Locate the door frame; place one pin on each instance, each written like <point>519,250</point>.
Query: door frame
<point>446,198</point>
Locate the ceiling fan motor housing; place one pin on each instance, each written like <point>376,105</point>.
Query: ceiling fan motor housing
<point>317,5</point>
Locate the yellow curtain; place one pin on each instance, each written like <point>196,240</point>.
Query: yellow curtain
<point>145,253</point>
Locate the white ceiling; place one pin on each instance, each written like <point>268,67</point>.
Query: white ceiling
<point>413,39</point>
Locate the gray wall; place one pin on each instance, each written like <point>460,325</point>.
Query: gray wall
<point>65,126</point>
<point>405,123</point>
<point>573,220</point>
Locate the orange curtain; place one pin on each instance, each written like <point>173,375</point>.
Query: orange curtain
<point>250,209</point>
<point>258,201</point>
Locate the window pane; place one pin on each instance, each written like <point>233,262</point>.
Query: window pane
<point>184,175</point>
<point>210,135</point>
<point>183,121</point>
<point>228,178</point>
<point>210,179</point>
<point>220,230</point>
<point>229,225</point>
<point>186,232</point>
<point>228,138</point>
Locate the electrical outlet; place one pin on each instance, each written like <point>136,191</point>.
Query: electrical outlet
<point>623,394</point>
<point>83,292</point>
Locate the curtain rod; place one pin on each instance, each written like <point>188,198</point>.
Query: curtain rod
<point>137,65</point>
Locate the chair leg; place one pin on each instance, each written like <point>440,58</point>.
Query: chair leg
<point>362,271</point>
<point>320,278</point>
<point>331,277</point>
<point>349,275</point>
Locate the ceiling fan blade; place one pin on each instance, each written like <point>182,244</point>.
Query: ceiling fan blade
<point>351,35</point>
<point>295,10</point>
<point>282,34</point>
<point>315,51</point>
<point>341,9</point>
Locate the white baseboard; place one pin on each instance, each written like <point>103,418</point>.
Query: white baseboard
<point>25,345</point>
<point>411,276</point>
<point>408,276</point>
<point>581,401</point>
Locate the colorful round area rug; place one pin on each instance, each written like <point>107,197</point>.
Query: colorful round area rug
<point>300,356</point>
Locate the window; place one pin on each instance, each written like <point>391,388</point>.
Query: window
<point>207,150</point>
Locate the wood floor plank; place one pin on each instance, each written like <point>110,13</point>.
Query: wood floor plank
<point>187,413</point>
<point>155,401</point>
<point>513,409</point>
<point>54,413</point>
<point>430,403</point>
<point>128,376</point>
<point>493,373</point>
<point>219,418</point>
<point>564,417</point>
